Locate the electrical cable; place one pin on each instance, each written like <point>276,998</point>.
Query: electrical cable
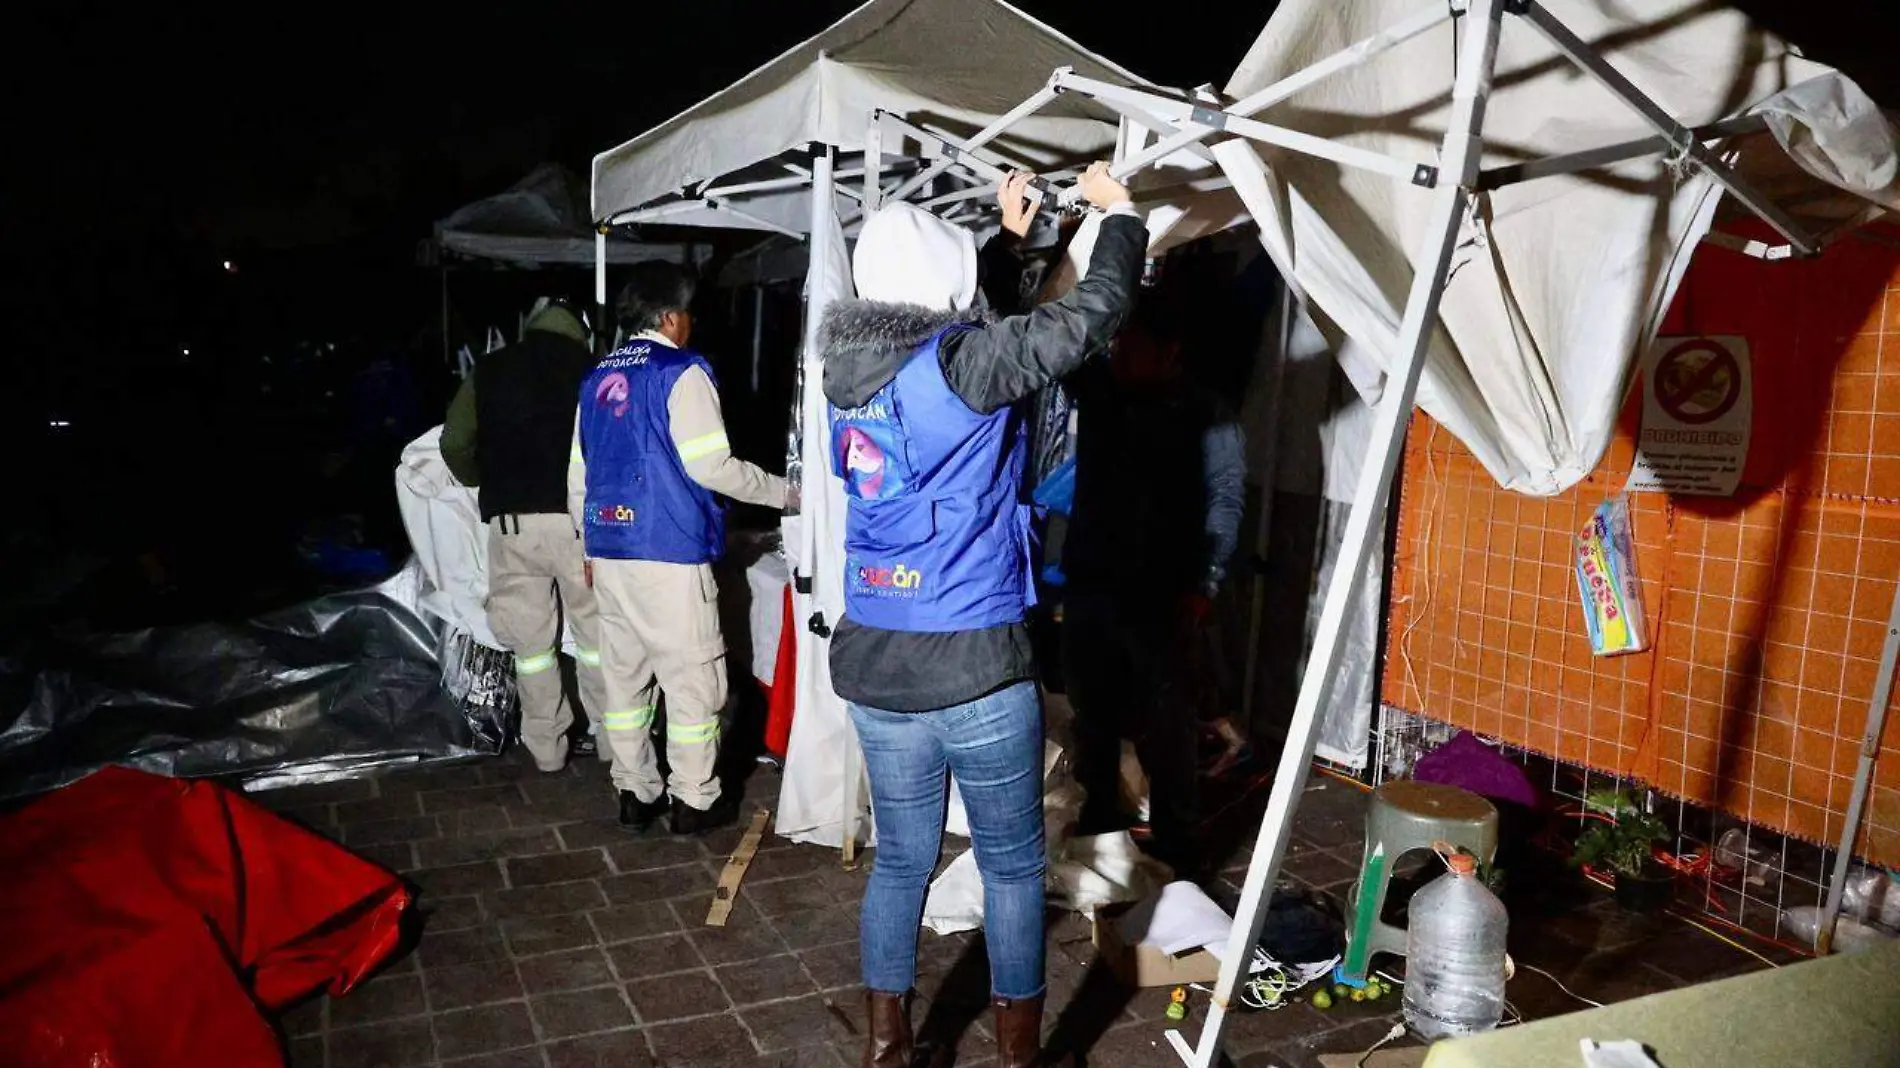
<point>1560,985</point>
<point>1397,1032</point>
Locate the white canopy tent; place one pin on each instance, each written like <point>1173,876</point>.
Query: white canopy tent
<point>784,151</point>
<point>1521,307</point>
<point>540,220</point>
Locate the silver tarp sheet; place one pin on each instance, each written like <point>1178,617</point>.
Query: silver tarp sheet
<point>320,690</point>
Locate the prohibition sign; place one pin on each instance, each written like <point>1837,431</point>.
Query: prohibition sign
<point>1696,391</point>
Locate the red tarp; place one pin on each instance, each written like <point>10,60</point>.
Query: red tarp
<point>150,921</point>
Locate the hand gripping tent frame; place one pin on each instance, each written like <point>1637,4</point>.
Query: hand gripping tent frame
<point>1451,179</point>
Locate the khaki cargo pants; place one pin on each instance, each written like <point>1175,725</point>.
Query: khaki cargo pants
<point>536,574</point>
<point>659,626</point>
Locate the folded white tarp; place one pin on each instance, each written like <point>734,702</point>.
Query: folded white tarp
<point>1564,279</point>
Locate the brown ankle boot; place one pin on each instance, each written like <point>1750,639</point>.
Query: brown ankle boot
<point>887,1039</point>
<point>1019,1034</point>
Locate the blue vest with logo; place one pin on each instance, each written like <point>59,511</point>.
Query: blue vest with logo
<point>936,536</point>
<point>641,504</point>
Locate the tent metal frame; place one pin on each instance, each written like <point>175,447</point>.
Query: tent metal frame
<point>1453,180</point>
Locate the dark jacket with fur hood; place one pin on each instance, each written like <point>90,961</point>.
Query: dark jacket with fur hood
<point>990,366</point>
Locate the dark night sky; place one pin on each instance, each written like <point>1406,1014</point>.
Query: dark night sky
<point>317,148</point>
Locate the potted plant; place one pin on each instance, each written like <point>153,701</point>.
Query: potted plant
<point>1622,838</point>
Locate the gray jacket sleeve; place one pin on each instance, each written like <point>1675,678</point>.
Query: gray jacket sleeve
<point>1224,461</point>
<point>1000,364</point>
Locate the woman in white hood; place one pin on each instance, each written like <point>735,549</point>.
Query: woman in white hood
<point>932,653</point>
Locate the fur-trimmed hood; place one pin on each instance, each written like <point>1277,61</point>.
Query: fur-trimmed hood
<point>864,342</point>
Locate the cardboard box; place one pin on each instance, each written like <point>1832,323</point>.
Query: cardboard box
<point>1147,966</point>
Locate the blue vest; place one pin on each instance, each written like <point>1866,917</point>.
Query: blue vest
<point>641,504</point>
<point>935,538</point>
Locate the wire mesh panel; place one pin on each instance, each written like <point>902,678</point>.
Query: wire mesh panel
<point>1768,608</point>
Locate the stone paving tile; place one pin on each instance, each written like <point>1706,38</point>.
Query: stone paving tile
<point>460,878</point>
<point>556,868</point>
<point>304,1052</point>
<point>787,863</point>
<point>618,1049</point>
<point>832,966</point>
<point>647,854</point>
<point>379,832</point>
<point>806,1021</point>
<point>771,979</point>
<point>581,1012</point>
<point>788,895</point>
<point>470,797</point>
<point>451,913</point>
<point>708,1042</point>
<point>479,943</point>
<point>386,998</point>
<point>315,793</point>
<point>570,969</point>
<point>489,1029</point>
<point>746,936</point>
<point>401,1044</point>
<point>660,884</point>
<point>528,935</point>
<point>398,857</point>
<point>677,997</point>
<point>479,819</point>
<point>634,921</point>
<point>490,846</point>
<point>646,957</point>
<point>809,928</point>
<point>439,777</point>
<point>529,1057</point>
<point>462,986</point>
<point>551,900</point>
<point>377,808</point>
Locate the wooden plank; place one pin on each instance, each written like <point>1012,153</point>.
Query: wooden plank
<point>734,873</point>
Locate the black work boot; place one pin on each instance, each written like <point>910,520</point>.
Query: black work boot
<point>638,815</point>
<point>687,820</point>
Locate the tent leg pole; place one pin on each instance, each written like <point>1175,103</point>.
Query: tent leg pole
<point>1863,779</point>
<point>758,328</point>
<point>1257,606</point>
<point>600,291</point>
<point>448,354</point>
<point>823,208</point>
<point>1461,156</point>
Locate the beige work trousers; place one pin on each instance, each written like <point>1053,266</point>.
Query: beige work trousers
<point>536,573</point>
<point>659,626</point>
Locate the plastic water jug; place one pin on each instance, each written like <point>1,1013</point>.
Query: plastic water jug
<point>1454,955</point>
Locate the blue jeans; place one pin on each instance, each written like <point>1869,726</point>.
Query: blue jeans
<point>993,745</point>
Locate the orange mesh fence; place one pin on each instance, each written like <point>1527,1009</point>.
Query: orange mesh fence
<point>1767,609</point>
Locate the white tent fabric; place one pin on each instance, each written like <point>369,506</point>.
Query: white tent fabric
<point>1564,279</point>
<point>542,219</point>
<point>822,765</point>
<point>445,529</point>
<point>955,64</point>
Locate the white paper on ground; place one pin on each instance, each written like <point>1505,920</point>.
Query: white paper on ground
<point>1180,918</point>
<point>1622,1053</point>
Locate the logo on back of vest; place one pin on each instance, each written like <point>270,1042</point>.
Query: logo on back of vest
<point>614,392</point>
<point>899,581</point>
<point>618,515</point>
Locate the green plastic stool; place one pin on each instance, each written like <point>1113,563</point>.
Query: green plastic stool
<point>1407,816</point>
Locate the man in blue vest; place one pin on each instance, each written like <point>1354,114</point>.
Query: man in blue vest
<point>932,654</point>
<point>650,460</point>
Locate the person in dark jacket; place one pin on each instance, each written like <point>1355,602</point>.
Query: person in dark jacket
<point>932,655</point>
<point>1159,488</point>
<point>509,431</point>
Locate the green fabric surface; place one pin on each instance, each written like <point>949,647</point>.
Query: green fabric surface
<point>1840,1011</point>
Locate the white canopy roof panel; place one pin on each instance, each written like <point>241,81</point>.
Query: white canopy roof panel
<point>542,219</point>
<point>1564,279</point>
<point>949,64</point>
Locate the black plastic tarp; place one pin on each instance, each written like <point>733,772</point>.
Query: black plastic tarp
<point>333,685</point>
